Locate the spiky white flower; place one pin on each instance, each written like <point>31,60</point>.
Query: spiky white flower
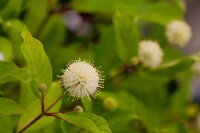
<point>81,79</point>
<point>178,33</point>
<point>150,53</point>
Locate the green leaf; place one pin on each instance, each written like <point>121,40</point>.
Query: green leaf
<point>91,122</point>
<point>36,14</point>
<point>103,6</point>
<point>128,102</point>
<point>8,107</point>
<point>10,72</point>
<point>3,3</point>
<point>87,104</point>
<point>127,45</point>
<point>173,67</point>
<point>34,109</point>
<point>37,60</point>
<point>5,124</point>
<point>161,12</point>
<point>11,10</point>
<point>106,49</point>
<point>155,12</point>
<point>6,48</point>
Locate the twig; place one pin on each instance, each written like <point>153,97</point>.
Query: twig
<point>31,123</point>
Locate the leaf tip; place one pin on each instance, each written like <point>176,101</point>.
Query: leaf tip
<point>25,33</point>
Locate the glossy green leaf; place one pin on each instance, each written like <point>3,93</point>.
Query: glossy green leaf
<point>34,109</point>
<point>127,45</point>
<point>91,122</point>
<point>10,72</point>
<point>37,60</point>
<point>9,107</point>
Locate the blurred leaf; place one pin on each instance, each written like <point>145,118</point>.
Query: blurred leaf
<point>135,108</point>
<point>118,122</point>
<point>151,11</point>
<point>155,12</point>
<point>6,48</point>
<point>5,124</point>
<point>103,6</point>
<point>10,72</point>
<point>91,122</point>
<point>37,60</point>
<point>8,107</point>
<point>54,32</point>
<point>3,3</point>
<point>127,45</point>
<point>11,10</point>
<point>14,29</point>
<point>182,94</point>
<point>175,127</point>
<point>34,109</point>
<point>37,13</point>
<point>87,104</point>
<point>174,67</point>
<point>105,51</point>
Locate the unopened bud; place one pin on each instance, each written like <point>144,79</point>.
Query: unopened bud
<point>110,104</point>
<point>192,111</point>
<point>42,87</point>
<point>78,109</point>
<point>134,61</point>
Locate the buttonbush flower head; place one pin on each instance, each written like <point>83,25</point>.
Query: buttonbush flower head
<point>150,53</point>
<point>81,79</point>
<point>78,109</point>
<point>178,33</point>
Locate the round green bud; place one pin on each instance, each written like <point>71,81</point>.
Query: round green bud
<point>110,104</point>
<point>78,109</point>
<point>134,61</point>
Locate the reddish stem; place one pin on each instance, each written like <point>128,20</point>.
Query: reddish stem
<point>42,103</point>
<point>55,102</point>
<point>29,124</point>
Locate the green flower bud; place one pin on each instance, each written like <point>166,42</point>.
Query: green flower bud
<point>110,104</point>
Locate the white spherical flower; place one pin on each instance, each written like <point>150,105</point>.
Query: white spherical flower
<point>150,53</point>
<point>81,79</point>
<point>178,33</point>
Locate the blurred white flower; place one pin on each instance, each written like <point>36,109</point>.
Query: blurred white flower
<point>196,68</point>
<point>150,53</point>
<point>178,33</point>
<point>81,79</point>
<point>1,56</point>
